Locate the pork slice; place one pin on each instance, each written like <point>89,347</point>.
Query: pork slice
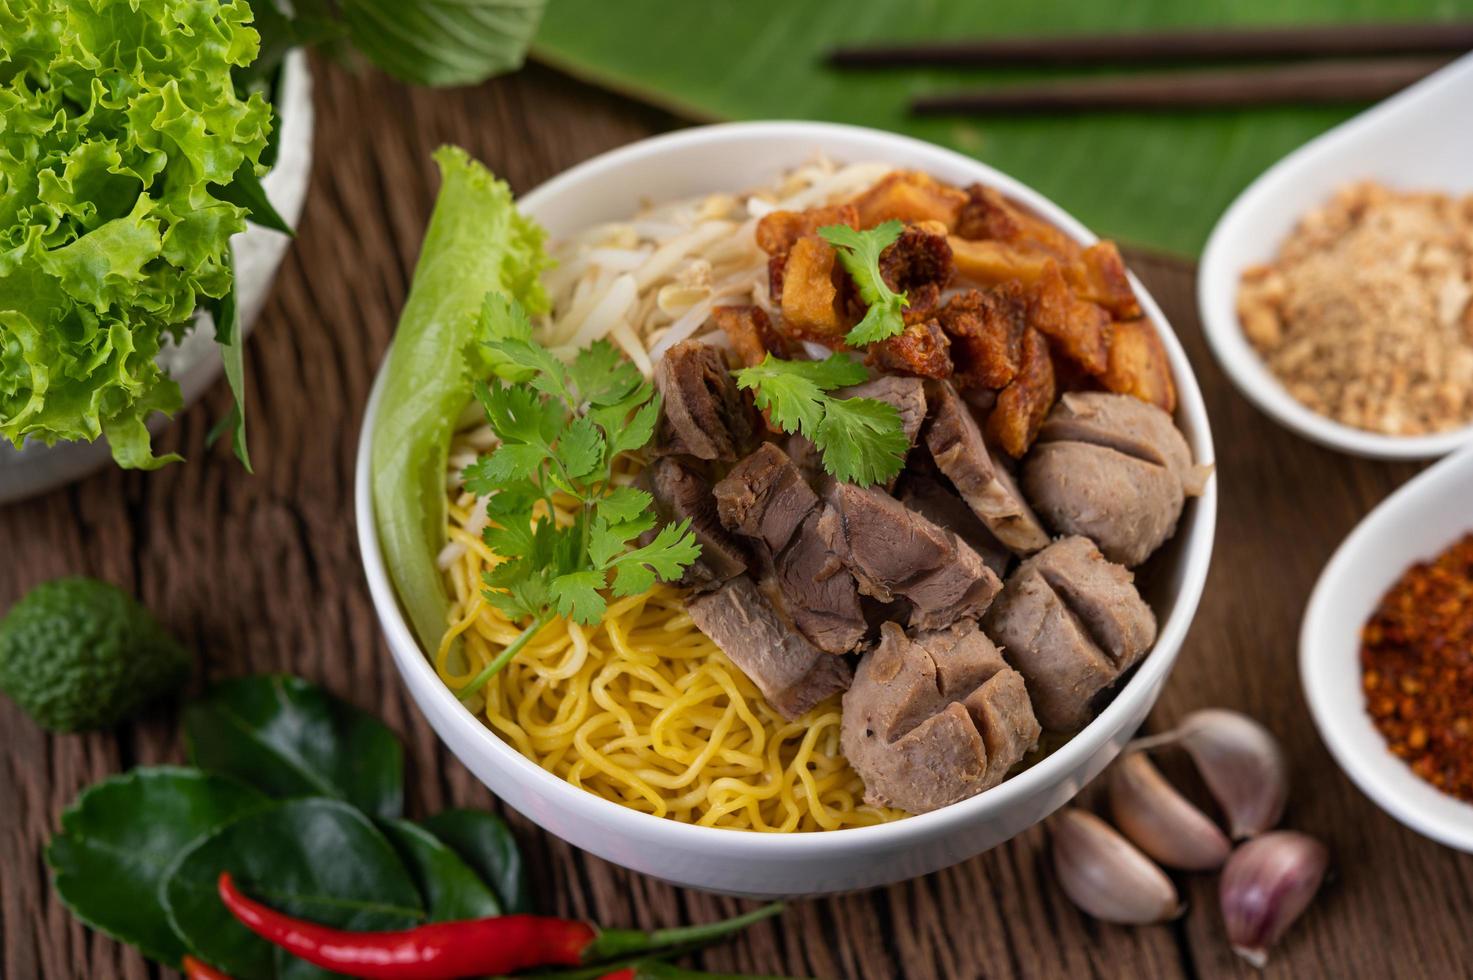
<point>956,445</point>
<point>894,551</point>
<point>681,491</point>
<point>703,413</point>
<point>1126,505</point>
<point>806,457</point>
<point>939,505</point>
<point>1045,641</point>
<point>1127,425</point>
<point>1102,595</point>
<point>765,497</point>
<point>789,671</point>
<point>906,394</point>
<point>816,588</point>
<point>934,719</point>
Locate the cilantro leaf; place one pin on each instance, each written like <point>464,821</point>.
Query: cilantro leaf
<point>501,320</point>
<point>862,440</point>
<point>859,252</point>
<point>578,598</point>
<point>580,448</point>
<point>562,429</point>
<point>607,541</point>
<point>792,392</point>
<point>509,463</point>
<point>666,556</point>
<point>624,504</point>
<point>602,375</point>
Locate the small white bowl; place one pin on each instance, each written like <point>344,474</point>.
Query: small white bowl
<point>733,158</point>
<point>1414,524</point>
<point>1418,139</point>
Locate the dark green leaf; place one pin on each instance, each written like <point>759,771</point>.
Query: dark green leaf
<point>603,375</point>
<point>510,462</point>
<point>485,842</point>
<point>635,432</point>
<point>501,318</point>
<point>245,191</point>
<point>580,449</point>
<point>443,42</point>
<point>289,738</point>
<point>666,557</point>
<point>226,314</point>
<point>607,541</point>
<point>518,414</point>
<point>862,440</point>
<point>859,253</point>
<point>315,859</point>
<point>577,597</point>
<point>451,889</point>
<point>623,504</point>
<point>120,836</point>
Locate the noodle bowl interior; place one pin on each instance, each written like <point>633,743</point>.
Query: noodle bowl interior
<point>905,644</point>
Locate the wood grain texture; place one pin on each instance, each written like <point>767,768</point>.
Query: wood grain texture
<point>261,573</point>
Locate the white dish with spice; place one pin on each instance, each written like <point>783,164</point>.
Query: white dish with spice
<point>1419,521</point>
<point>1410,142</point>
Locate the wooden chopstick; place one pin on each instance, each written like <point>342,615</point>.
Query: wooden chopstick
<point>1327,41</point>
<point>1319,83</point>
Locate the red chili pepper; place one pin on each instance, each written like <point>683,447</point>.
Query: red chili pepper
<point>471,947</point>
<point>625,974</point>
<point>437,951</point>
<point>199,970</point>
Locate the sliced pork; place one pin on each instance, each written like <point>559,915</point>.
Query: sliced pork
<point>895,552</point>
<point>790,672</point>
<point>704,414</point>
<point>1071,622</point>
<point>935,718</point>
<point>956,444</point>
<point>1112,468</point>
<point>926,496</point>
<point>906,394</point>
<point>766,499</point>
<point>681,491</point>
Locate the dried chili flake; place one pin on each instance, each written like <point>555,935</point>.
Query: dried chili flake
<point>1417,668</point>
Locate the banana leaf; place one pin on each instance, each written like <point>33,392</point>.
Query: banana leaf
<point>1158,180</point>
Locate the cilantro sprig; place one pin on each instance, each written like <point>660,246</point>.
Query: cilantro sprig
<point>861,440</point>
<point>562,428</point>
<point>859,251</point>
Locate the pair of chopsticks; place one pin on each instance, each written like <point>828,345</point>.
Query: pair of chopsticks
<point>1396,55</point>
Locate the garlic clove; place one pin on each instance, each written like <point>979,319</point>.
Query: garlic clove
<point>1106,875</point>
<point>1241,763</point>
<point>1267,884</point>
<point>1162,822</point>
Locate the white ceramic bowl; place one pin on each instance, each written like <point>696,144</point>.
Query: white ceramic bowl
<point>194,362</point>
<point>733,158</point>
<point>1415,523</point>
<point>1409,142</point>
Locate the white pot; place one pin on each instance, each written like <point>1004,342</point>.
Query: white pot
<point>731,158</point>
<point>195,361</point>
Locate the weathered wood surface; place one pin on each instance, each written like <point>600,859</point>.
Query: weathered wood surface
<point>262,574</point>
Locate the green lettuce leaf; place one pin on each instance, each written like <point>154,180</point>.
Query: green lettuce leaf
<point>120,135</point>
<point>476,243</point>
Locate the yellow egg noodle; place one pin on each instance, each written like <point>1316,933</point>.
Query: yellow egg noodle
<point>644,709</point>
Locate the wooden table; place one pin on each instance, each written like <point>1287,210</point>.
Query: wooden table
<point>261,574</point>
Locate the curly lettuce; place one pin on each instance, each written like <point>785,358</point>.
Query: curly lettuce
<point>122,144</point>
<point>477,242</point>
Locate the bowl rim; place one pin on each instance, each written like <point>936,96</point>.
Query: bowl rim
<point>622,820</point>
<point>1385,779</point>
<point>1217,280</point>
